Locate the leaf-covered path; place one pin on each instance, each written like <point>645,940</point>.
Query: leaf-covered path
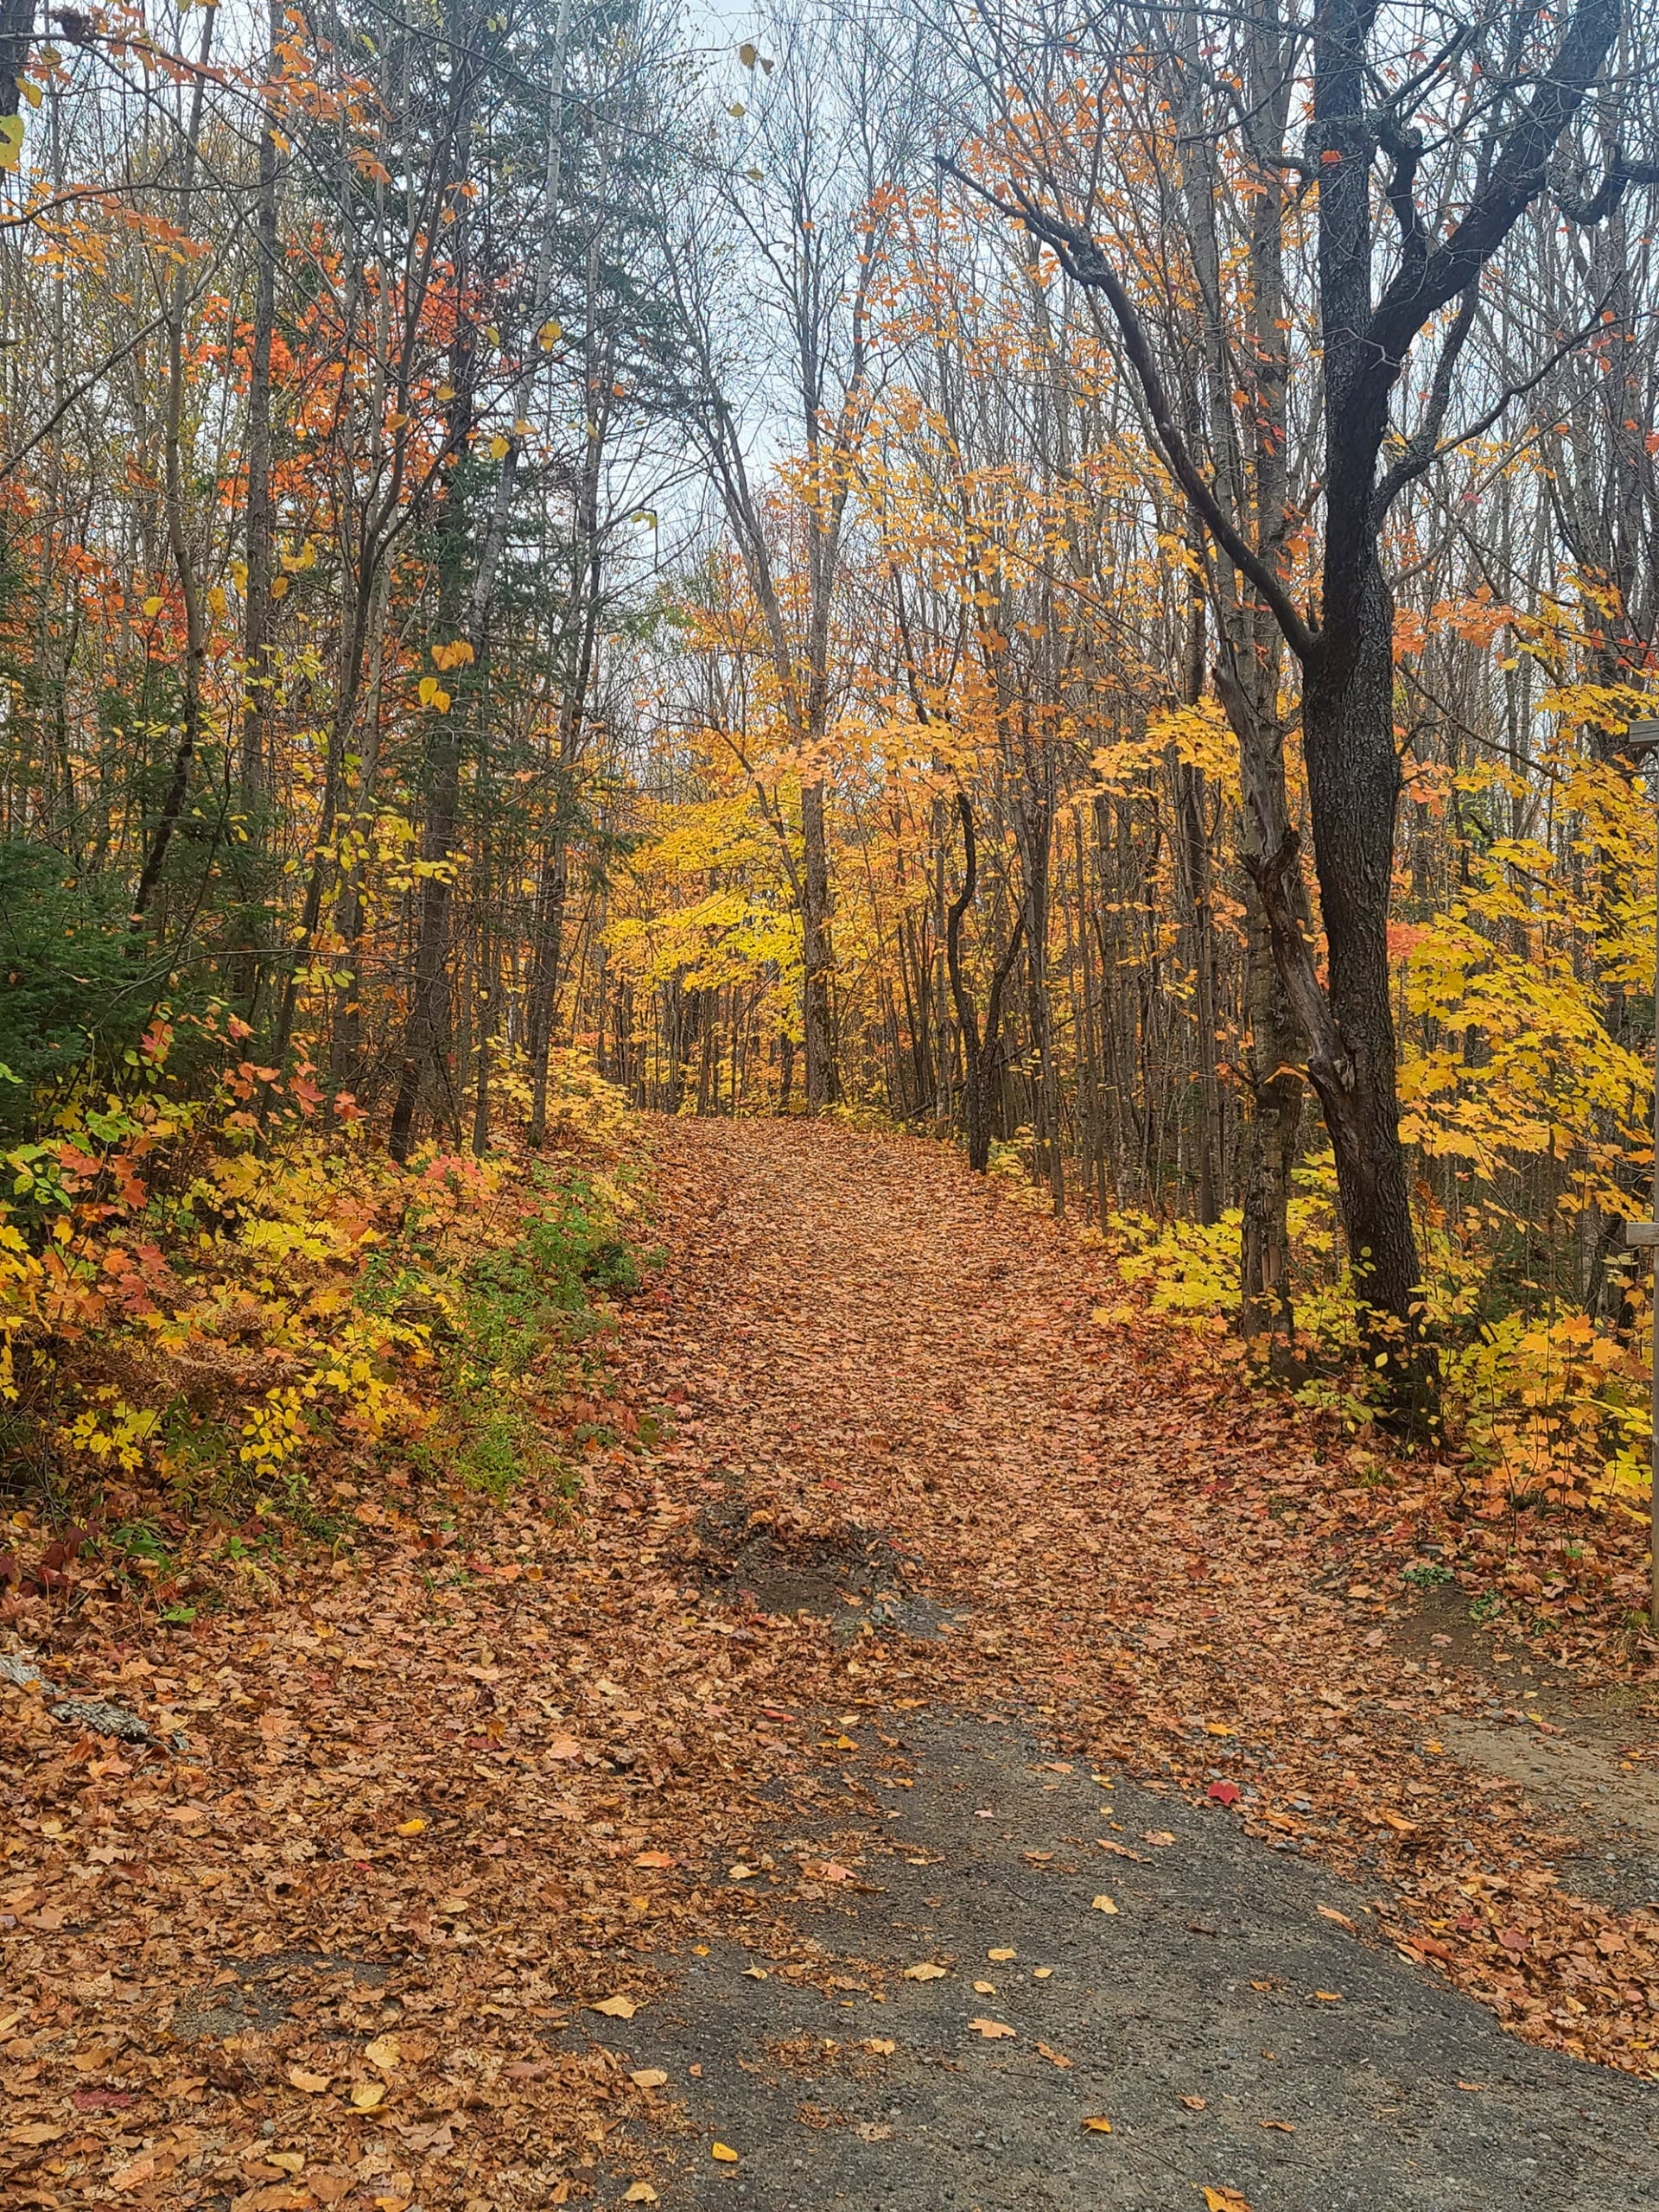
<point>972,1717</point>
<point>900,1390</point>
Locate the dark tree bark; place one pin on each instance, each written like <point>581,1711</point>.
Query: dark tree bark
<point>979,1049</point>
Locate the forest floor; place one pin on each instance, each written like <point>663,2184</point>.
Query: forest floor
<point>984,1755</point>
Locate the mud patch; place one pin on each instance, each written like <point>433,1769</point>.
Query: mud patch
<point>250,1996</point>
<point>860,1579</point>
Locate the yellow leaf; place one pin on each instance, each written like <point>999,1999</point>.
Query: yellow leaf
<point>883,2046</point>
<point>1002,1951</point>
<point>640,2192</point>
<point>446,391</point>
<point>748,54</point>
<point>12,140</point>
<point>1329,1996</point>
<point>740,1872</point>
<point>1041,1973</point>
<point>313,2084</point>
<point>278,586</point>
<point>985,1989</point>
<point>648,2077</point>
<point>724,2152</point>
<point>616,2008</point>
<point>291,2162</point>
<point>1225,2199</point>
<point>366,2095</point>
<point>1055,2057</point>
<point>990,2029</point>
<point>153,605</point>
<point>411,1828</point>
<point>492,333</point>
<point>30,92</point>
<point>395,421</point>
<point>1104,1905</point>
<point>384,2051</point>
<point>550,334</point>
<point>498,448</point>
<point>1099,2126</point>
<point>924,1972</point>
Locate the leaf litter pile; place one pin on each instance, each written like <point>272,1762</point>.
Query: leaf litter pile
<point>414,1830</point>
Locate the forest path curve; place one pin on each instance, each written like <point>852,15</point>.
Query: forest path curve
<point>1126,1560</point>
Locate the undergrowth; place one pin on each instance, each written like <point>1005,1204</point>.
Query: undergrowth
<point>228,1331</point>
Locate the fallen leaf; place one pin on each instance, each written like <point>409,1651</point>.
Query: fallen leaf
<point>1098,2125</point>
<point>313,2084</point>
<point>1053,2056</point>
<point>724,2152</point>
<point>564,1747</point>
<point>616,2008</point>
<point>366,2095</point>
<point>385,2052</point>
<point>650,1859</point>
<point>33,2132</point>
<point>291,2162</point>
<point>1195,2104</point>
<point>740,1872</point>
<point>1002,1951</point>
<point>1284,2126</point>
<point>984,1989</point>
<point>1224,1793</point>
<point>1041,1973</point>
<point>1476,2086</point>
<point>1104,1903</point>
<point>411,1828</point>
<point>1120,1849</point>
<point>883,2046</point>
<point>1329,1912</point>
<point>1329,1996</point>
<point>925,1973</point>
<point>639,2192</point>
<point>1161,1836</point>
<point>990,2029</point>
<point>1225,2200</point>
<point>754,1973</point>
<point>648,2077</point>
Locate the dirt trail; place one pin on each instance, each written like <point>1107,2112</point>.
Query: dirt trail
<point>518,1855</point>
<point>1098,1554</point>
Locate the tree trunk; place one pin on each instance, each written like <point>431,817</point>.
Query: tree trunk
<point>817,954</point>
